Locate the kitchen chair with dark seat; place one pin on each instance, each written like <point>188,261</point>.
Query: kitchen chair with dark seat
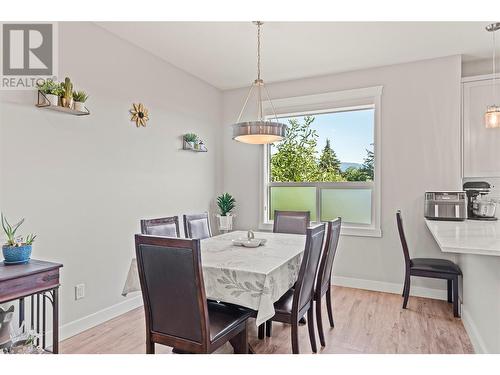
<point>293,222</point>
<point>297,302</point>
<point>197,226</point>
<point>175,304</point>
<point>164,226</point>
<point>324,279</point>
<point>428,267</point>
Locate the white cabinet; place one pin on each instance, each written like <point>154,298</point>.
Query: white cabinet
<point>481,146</point>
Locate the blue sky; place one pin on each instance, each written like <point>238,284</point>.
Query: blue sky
<point>350,133</point>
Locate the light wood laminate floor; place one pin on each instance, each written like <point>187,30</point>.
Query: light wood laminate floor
<point>365,322</point>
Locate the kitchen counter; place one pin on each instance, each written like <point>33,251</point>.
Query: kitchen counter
<point>467,237</point>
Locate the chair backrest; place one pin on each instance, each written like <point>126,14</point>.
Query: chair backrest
<point>163,226</point>
<point>304,287</point>
<point>404,244</point>
<point>326,264</point>
<point>172,287</point>
<point>197,226</point>
<point>293,222</point>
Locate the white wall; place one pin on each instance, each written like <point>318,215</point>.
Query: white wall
<point>83,183</point>
<point>420,151</point>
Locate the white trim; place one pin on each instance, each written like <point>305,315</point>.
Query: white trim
<point>323,103</point>
<point>483,77</point>
<point>474,335</point>
<point>78,326</point>
<point>387,287</point>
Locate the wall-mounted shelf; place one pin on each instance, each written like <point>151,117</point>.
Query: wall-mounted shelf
<point>187,147</point>
<point>43,102</point>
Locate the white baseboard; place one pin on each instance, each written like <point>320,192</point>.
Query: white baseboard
<point>382,286</point>
<point>78,326</point>
<point>475,338</point>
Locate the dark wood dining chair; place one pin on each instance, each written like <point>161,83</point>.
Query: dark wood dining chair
<point>197,226</point>
<point>428,267</point>
<point>175,304</point>
<point>293,222</point>
<point>324,279</point>
<point>298,302</point>
<point>163,226</point>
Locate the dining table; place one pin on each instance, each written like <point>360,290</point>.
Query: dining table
<point>254,278</point>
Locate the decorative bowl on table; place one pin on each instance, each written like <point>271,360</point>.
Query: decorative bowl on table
<point>252,242</point>
<point>16,254</point>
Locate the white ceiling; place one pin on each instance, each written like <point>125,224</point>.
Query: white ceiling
<point>224,53</point>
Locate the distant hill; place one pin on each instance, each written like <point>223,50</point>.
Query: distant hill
<point>345,165</point>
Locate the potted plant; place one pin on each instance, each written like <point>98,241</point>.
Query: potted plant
<point>191,140</point>
<point>51,90</point>
<point>79,99</point>
<point>16,250</point>
<point>67,95</point>
<point>226,204</point>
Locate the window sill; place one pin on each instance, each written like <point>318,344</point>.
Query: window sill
<point>345,230</point>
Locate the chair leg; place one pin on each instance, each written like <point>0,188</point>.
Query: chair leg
<point>310,326</point>
<point>404,287</point>
<point>329,306</point>
<point>269,328</point>
<point>406,291</point>
<point>319,322</point>
<point>450,288</point>
<point>240,342</point>
<point>295,338</point>
<point>150,345</point>
<point>455,297</point>
<point>262,329</point>
<point>303,321</point>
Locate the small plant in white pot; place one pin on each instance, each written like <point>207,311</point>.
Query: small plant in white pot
<point>16,250</point>
<point>226,204</point>
<point>51,90</point>
<point>79,99</point>
<point>191,140</point>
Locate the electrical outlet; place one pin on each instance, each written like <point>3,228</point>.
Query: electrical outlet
<point>79,291</point>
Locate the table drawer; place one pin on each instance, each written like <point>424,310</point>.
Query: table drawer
<point>18,287</point>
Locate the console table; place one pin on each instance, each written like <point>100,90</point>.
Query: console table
<point>39,281</point>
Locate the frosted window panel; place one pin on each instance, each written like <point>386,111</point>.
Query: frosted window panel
<point>352,205</point>
<point>288,198</point>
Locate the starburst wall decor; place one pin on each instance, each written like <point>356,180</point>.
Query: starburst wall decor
<point>140,114</point>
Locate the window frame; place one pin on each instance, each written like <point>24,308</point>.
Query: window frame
<point>331,102</point>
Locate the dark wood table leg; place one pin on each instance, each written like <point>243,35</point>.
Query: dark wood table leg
<point>21,311</point>
<point>55,321</point>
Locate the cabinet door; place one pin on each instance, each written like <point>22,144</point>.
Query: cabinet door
<point>481,146</point>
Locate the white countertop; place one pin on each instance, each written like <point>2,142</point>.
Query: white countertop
<point>467,237</point>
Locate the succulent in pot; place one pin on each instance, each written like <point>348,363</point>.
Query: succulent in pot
<point>67,95</point>
<point>51,90</point>
<point>79,98</point>
<point>226,204</point>
<point>17,250</point>
<point>191,140</point>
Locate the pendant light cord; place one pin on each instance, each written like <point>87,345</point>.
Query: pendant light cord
<point>258,50</point>
<point>494,67</point>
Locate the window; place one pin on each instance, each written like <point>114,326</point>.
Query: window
<point>328,163</point>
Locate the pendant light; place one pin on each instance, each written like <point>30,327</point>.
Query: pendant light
<point>492,115</point>
<point>260,130</point>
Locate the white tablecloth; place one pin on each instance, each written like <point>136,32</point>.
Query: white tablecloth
<point>249,277</point>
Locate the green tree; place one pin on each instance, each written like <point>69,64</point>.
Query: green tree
<point>328,161</point>
<point>355,174</point>
<point>295,159</point>
<point>368,164</point>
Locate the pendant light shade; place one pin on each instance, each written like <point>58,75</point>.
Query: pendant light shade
<point>492,115</point>
<point>259,131</point>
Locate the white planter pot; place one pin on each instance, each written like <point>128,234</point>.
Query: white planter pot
<point>225,222</point>
<point>79,106</point>
<point>53,99</point>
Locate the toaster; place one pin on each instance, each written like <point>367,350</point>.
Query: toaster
<point>445,205</point>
